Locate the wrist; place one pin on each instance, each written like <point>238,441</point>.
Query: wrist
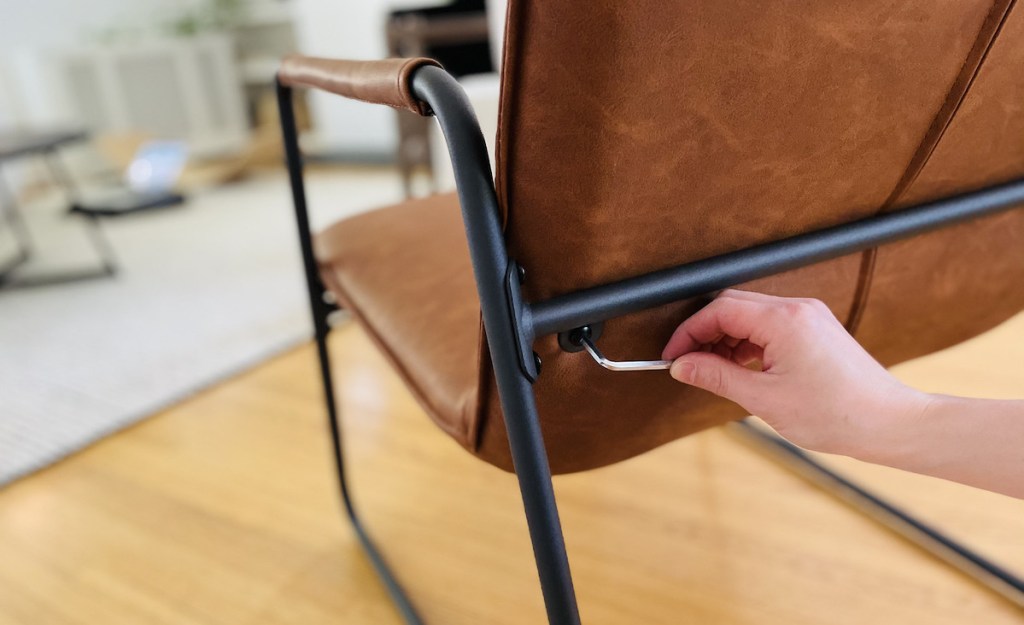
<point>892,432</point>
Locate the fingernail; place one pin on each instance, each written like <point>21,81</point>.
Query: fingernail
<point>683,371</point>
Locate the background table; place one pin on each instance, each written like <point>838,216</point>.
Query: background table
<point>16,144</point>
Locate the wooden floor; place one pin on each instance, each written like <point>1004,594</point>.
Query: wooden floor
<point>223,511</point>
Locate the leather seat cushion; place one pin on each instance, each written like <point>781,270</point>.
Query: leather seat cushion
<point>404,271</point>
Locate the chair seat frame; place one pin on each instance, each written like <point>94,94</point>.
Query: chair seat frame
<point>512,324</point>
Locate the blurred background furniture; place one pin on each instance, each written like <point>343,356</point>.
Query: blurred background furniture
<point>456,35</point>
<point>15,144</point>
<point>482,91</point>
<point>187,89</point>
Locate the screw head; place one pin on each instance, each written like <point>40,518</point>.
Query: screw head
<point>522,273</point>
<point>536,361</point>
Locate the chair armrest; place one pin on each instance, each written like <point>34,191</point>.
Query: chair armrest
<point>378,82</point>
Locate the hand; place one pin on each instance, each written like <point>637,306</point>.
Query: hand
<point>790,362</point>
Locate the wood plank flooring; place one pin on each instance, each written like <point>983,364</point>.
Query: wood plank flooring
<point>222,510</point>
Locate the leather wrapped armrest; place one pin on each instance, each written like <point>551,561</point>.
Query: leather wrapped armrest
<point>378,82</point>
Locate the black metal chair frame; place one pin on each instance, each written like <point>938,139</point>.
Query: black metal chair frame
<point>512,324</point>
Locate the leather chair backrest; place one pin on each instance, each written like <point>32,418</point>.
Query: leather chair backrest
<point>635,136</point>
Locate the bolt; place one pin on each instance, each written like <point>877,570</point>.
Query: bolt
<point>576,336</point>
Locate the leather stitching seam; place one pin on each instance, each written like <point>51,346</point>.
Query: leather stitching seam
<point>933,136</point>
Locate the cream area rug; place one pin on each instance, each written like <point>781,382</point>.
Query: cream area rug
<point>204,291</point>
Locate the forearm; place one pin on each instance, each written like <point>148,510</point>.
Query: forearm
<point>979,442</point>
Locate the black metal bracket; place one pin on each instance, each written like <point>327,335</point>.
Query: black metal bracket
<point>519,311</point>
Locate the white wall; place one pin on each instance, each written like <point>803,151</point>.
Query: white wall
<point>333,28</point>
<point>34,24</point>
<point>351,29</point>
<point>30,26</point>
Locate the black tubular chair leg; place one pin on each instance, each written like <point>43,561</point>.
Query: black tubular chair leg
<point>476,192</point>
<point>953,553</point>
<point>320,310</point>
<point>491,265</point>
<point>490,262</point>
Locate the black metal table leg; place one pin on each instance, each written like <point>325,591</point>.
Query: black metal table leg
<point>104,250</point>
<point>99,242</point>
<point>19,232</point>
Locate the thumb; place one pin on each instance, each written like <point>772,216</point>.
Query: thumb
<point>717,375</point>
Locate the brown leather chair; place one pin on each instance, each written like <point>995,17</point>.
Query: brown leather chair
<point>865,154</point>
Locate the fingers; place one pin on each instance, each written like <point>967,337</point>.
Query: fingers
<point>752,296</point>
<point>722,348</point>
<point>719,376</point>
<point>740,351</point>
<point>746,353</point>
<point>736,314</point>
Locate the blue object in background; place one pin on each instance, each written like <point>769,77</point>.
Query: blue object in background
<point>156,167</point>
